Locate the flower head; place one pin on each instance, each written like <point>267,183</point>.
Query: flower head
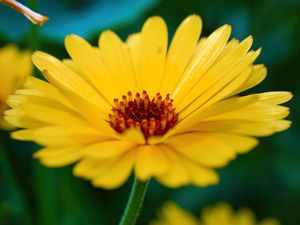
<point>15,66</point>
<point>220,214</point>
<point>166,112</point>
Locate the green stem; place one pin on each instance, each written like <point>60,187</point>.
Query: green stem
<point>135,203</point>
<point>33,39</point>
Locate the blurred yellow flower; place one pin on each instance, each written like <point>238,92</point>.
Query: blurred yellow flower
<point>15,65</point>
<point>169,113</point>
<point>221,214</point>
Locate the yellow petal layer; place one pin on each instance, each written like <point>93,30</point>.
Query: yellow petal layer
<point>210,149</point>
<point>182,46</point>
<point>183,171</point>
<point>108,149</point>
<point>217,71</point>
<point>154,41</point>
<point>171,214</point>
<point>91,64</point>
<point>117,59</point>
<point>206,55</point>
<point>58,157</point>
<point>150,161</point>
<point>117,174</point>
<point>58,136</point>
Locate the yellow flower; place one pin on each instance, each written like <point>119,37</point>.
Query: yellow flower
<point>221,214</point>
<point>15,65</point>
<point>169,113</point>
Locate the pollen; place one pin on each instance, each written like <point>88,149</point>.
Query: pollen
<point>154,117</point>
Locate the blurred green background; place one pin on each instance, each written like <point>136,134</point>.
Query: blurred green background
<point>266,180</point>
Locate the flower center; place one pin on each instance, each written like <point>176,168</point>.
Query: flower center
<point>153,117</point>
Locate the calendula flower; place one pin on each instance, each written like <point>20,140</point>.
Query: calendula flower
<point>166,112</point>
<point>15,66</point>
<point>220,214</point>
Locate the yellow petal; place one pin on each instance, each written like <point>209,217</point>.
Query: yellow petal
<point>58,136</point>
<point>206,55</point>
<point>218,69</point>
<point>91,64</point>
<point>174,215</point>
<point>44,89</point>
<point>73,66</point>
<point>25,64</point>
<point>225,86</point>
<point>259,73</point>
<point>154,41</point>
<point>117,174</point>
<point>64,78</point>
<point>200,176</point>
<point>117,59</point>
<point>20,119</point>
<point>222,213</point>
<point>57,157</point>
<point>25,96</point>
<point>88,168</point>
<point>274,97</point>
<point>182,46</point>
<point>134,45</point>
<point>255,113</point>
<point>5,125</point>
<point>206,149</point>
<point>228,48</point>
<point>245,217</point>
<point>49,115</point>
<point>150,161</point>
<point>92,113</point>
<point>259,129</point>
<point>108,149</point>
<point>198,116</point>
<point>240,144</point>
<point>23,135</point>
<point>133,135</point>
<point>231,87</point>
<point>177,175</point>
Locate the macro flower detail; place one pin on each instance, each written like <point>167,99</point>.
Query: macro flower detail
<point>220,214</point>
<point>168,112</point>
<point>15,66</point>
<point>151,117</point>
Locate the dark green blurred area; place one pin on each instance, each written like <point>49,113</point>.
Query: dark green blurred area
<point>266,180</point>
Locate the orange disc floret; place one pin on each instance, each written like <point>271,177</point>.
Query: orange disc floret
<point>153,117</point>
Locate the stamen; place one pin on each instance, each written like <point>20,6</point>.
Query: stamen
<point>125,100</point>
<point>138,99</point>
<point>129,94</point>
<point>117,104</point>
<point>153,117</point>
<point>122,107</point>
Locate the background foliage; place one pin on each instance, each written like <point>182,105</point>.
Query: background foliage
<point>267,179</point>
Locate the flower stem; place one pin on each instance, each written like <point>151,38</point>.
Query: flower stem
<point>135,202</point>
<point>34,42</point>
